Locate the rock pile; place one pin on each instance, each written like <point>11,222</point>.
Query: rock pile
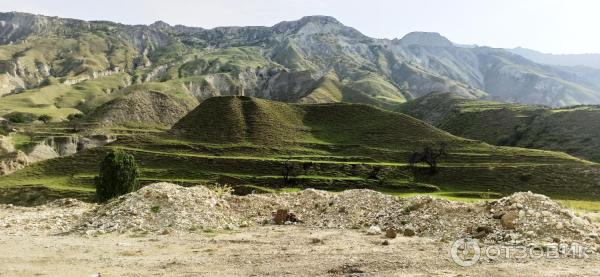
<point>163,207</point>
<point>526,217</point>
<point>56,217</point>
<point>521,218</point>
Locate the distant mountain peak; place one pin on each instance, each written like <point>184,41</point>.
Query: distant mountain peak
<point>426,39</point>
<point>160,25</point>
<point>319,21</point>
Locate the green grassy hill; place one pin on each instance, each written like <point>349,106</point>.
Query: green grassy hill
<point>259,121</point>
<point>245,142</point>
<point>574,130</point>
<point>141,108</point>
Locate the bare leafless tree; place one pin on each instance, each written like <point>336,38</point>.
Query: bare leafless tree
<point>430,156</point>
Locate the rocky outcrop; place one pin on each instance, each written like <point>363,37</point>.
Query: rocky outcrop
<point>6,145</point>
<point>94,75</point>
<point>12,162</point>
<point>14,76</point>
<point>50,148</point>
<point>60,146</point>
<point>268,83</point>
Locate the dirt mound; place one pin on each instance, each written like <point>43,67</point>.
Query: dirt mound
<point>162,206</point>
<point>521,218</point>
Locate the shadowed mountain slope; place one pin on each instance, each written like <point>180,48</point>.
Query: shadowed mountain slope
<point>574,130</point>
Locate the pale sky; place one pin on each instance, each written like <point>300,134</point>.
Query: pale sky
<point>552,26</point>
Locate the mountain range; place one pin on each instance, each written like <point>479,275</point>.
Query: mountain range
<point>585,60</point>
<point>61,67</point>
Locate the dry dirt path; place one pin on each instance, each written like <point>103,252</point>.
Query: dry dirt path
<point>254,251</point>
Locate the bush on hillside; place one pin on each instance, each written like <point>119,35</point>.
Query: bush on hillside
<point>19,117</point>
<point>74,116</point>
<point>45,118</point>
<point>118,175</point>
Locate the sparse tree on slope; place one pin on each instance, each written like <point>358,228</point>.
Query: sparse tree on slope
<point>118,175</point>
<point>429,156</point>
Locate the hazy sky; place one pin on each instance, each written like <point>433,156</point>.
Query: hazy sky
<point>555,26</point>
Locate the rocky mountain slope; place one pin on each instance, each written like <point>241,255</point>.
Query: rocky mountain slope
<point>588,60</point>
<point>64,66</point>
<point>574,130</point>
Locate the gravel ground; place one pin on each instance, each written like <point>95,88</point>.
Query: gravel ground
<point>164,229</point>
<point>257,251</point>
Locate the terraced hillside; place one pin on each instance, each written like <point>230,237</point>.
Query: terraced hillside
<point>574,130</point>
<point>247,142</point>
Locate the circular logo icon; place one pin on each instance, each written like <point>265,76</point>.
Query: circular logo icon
<point>465,252</point>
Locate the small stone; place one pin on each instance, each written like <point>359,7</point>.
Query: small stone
<point>482,232</point>
<point>486,229</point>
<point>546,213</point>
<point>385,242</point>
<point>498,215</point>
<point>292,217</point>
<point>165,232</point>
<point>578,221</point>
<point>390,233</point>
<point>230,227</point>
<point>556,240</point>
<point>280,216</point>
<point>508,220</point>
<point>559,226</point>
<point>409,232</point>
<point>316,240</point>
<point>374,230</point>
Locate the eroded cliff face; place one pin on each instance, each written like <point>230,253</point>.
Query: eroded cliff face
<point>274,84</point>
<point>15,76</point>
<point>52,147</point>
<point>12,162</point>
<point>6,145</point>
